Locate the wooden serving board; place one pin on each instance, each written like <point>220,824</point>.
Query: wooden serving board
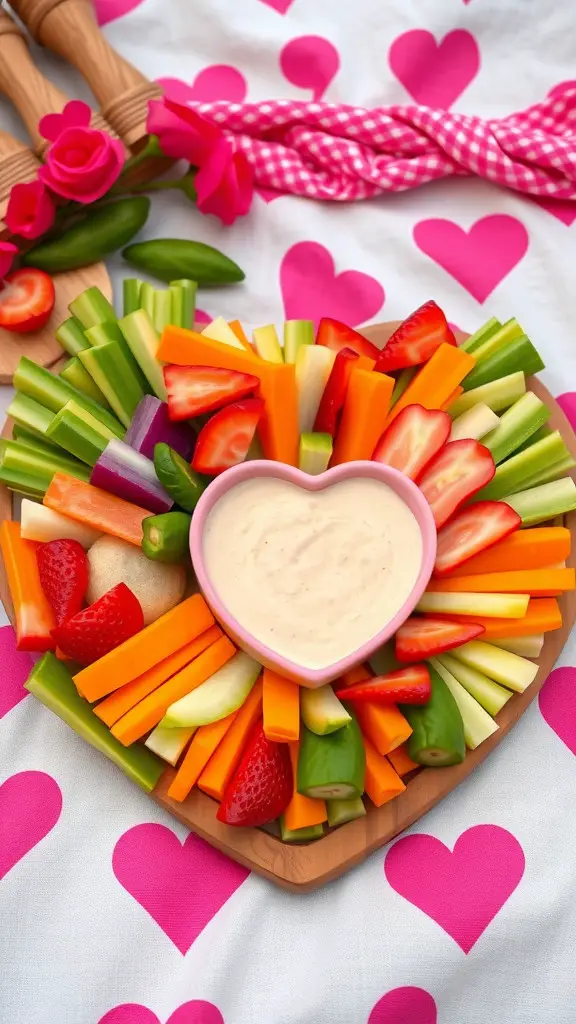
<point>302,868</point>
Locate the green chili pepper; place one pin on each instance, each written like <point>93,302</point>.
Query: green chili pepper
<point>176,476</point>
<point>171,258</point>
<point>100,233</point>
<point>166,537</point>
<point>438,732</point>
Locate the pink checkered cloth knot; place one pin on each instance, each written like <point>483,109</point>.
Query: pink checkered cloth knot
<point>339,152</point>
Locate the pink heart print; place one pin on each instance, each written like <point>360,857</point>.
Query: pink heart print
<point>310,62</point>
<point>311,288</point>
<point>30,805</point>
<point>16,667</point>
<point>217,82</point>
<point>461,890</point>
<point>407,1005</point>
<point>181,885</point>
<point>557,703</point>
<point>202,317</point>
<point>195,1012</point>
<point>435,74</point>
<point>282,6</point>
<point>567,403</point>
<point>110,10</point>
<point>559,208</point>
<point>479,259</point>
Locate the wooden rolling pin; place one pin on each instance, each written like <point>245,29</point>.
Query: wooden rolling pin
<point>17,164</point>
<point>31,93</point>
<point>69,28</point>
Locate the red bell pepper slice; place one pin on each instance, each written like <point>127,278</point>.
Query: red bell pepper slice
<point>336,336</point>
<point>195,390</point>
<point>416,339</point>
<point>413,439</point>
<point>418,638</point>
<point>460,469</point>
<point>405,686</point>
<point>473,530</point>
<point>224,441</point>
<point>334,396</point>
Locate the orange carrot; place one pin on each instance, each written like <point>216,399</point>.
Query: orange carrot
<point>96,508</point>
<point>543,616</point>
<point>452,398</point>
<point>140,719</point>
<point>538,582</point>
<point>147,648</point>
<point>236,326</point>
<point>434,383</point>
<point>302,811</point>
<point>206,740</point>
<point>364,363</point>
<point>382,782</point>
<point>363,417</point>
<point>223,762</point>
<point>189,348</point>
<point>401,760</point>
<point>120,701</point>
<point>384,725</point>
<point>33,614</point>
<point>525,549</point>
<point>281,707</point>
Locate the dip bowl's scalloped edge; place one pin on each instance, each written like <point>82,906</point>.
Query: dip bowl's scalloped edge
<point>403,487</point>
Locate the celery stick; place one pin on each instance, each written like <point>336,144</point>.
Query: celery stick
<point>162,309</point>
<point>267,345</point>
<point>31,440</point>
<point>491,695</point>
<point>147,295</point>
<point>71,336</point>
<point>300,835</point>
<point>184,302</point>
<point>112,373</point>
<point>315,453</point>
<point>91,308</point>
<point>22,467</point>
<point>79,378</point>
<point>510,331</point>
<point>402,381</point>
<point>517,424</point>
<point>143,342</point>
<point>511,474</point>
<point>478,724</point>
<point>131,294</point>
<point>497,395</point>
<point>509,669</point>
<point>475,423</point>
<point>553,472</point>
<point>79,433</point>
<point>22,483</point>
<point>539,504</point>
<point>525,646</point>
<point>103,334</point>
<point>53,392</point>
<point>542,432</point>
<point>30,414</point>
<point>341,811</point>
<point>519,354</point>
<point>486,331</point>
<point>296,334</point>
<point>494,606</point>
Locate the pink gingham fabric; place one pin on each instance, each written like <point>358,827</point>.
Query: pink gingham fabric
<point>343,153</point>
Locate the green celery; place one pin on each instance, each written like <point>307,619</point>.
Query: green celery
<point>519,354</point>
<point>71,336</point>
<point>552,472</point>
<point>162,309</point>
<point>53,392</point>
<point>492,696</point>
<point>342,811</point>
<point>296,334</point>
<point>542,432</point>
<point>131,294</point>
<point>91,308</point>
<point>28,413</point>
<point>510,331</point>
<point>517,424</point>
<point>76,375</point>
<point>108,366</point>
<point>143,341</point>
<point>24,467</point>
<point>539,504</point>
<point>184,302</point>
<point>147,298</point>
<point>402,381</point>
<point>103,334</point>
<point>31,440</point>
<point>486,331</point>
<point>79,433</point>
<point>497,395</point>
<point>315,453</point>
<point>511,475</point>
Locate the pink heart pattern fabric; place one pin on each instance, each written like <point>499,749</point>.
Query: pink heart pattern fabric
<point>282,6</point>
<point>479,259</point>
<point>16,666</point>
<point>181,885</point>
<point>433,73</point>
<point>460,890</point>
<point>111,10</point>
<point>311,288</point>
<point>557,703</point>
<point>310,62</point>
<point>217,82</point>
<point>195,1012</point>
<point>407,1005</point>
<point>30,806</point>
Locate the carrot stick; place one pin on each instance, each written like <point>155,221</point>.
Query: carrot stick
<point>120,701</point>
<point>364,363</point>
<point>538,582</point>
<point>236,326</point>
<point>205,742</point>
<point>543,616</point>
<point>302,811</point>
<point>401,761</point>
<point>363,417</point>
<point>281,708</point>
<point>33,614</point>
<point>382,782</point>
<point>452,398</point>
<point>147,648</point>
<point>140,719</point>
<point>94,507</point>
<point>526,549</point>
<point>223,762</point>
<point>189,348</point>
<point>434,383</point>
<point>385,726</point>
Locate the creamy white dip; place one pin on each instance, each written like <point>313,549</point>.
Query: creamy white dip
<point>312,574</point>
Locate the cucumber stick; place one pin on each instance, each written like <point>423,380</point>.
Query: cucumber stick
<point>220,330</point>
<point>300,835</point>
<point>342,811</point>
<point>478,724</point>
<point>475,423</point>
<point>482,334</point>
<point>486,691</point>
<point>315,453</point>
<point>497,394</point>
<point>539,504</point>
<point>525,646</point>
<point>265,340</point>
<point>334,766</point>
<point>511,474</point>
<point>519,354</point>
<point>143,342</point>
<point>512,671</point>
<point>218,697</point>
<point>437,738</point>
<point>495,606</point>
<point>498,340</point>
<point>321,710</point>
<point>169,744</point>
<point>516,425</point>
<point>296,334</point>
<point>313,366</point>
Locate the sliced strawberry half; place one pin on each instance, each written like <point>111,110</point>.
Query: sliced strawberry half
<point>194,390</point>
<point>261,787</point>
<point>63,571</point>
<point>224,441</point>
<point>416,339</point>
<point>334,395</point>
<point>413,439</point>
<point>471,531</point>
<point>104,625</point>
<point>460,469</point>
<point>419,638</point>
<point>26,300</point>
<point>404,686</point>
<point>337,336</point>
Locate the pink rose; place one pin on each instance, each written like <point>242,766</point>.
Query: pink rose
<point>225,183</point>
<point>82,163</point>
<point>31,211</point>
<point>183,134</point>
<point>7,254</point>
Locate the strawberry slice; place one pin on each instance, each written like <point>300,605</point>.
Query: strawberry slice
<point>261,788</point>
<point>63,570</point>
<point>405,686</point>
<point>26,300</point>
<point>471,531</point>
<point>336,336</point>
<point>334,395</point>
<point>412,439</point>
<point>416,339</point>
<point>104,625</point>
<point>194,390</point>
<point>224,441</point>
<point>418,638</point>
<point>460,469</point>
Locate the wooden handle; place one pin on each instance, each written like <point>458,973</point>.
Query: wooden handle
<point>69,28</point>
<point>17,164</point>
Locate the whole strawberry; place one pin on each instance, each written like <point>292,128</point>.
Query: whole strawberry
<point>63,569</point>
<point>261,787</point>
<point>104,625</point>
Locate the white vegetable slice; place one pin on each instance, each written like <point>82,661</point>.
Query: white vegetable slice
<point>478,725</point>
<point>509,669</point>
<point>475,422</point>
<point>488,693</point>
<point>220,330</point>
<point>218,697</point>
<point>169,743</point>
<point>524,646</point>
<point>322,712</point>
<point>313,366</point>
<point>42,524</point>
<point>495,606</point>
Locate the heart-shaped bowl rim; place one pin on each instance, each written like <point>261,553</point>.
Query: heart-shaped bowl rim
<point>405,488</point>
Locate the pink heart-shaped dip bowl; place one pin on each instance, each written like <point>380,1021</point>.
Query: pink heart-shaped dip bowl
<point>312,574</point>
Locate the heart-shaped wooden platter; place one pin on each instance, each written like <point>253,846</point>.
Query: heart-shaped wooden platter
<point>305,867</point>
